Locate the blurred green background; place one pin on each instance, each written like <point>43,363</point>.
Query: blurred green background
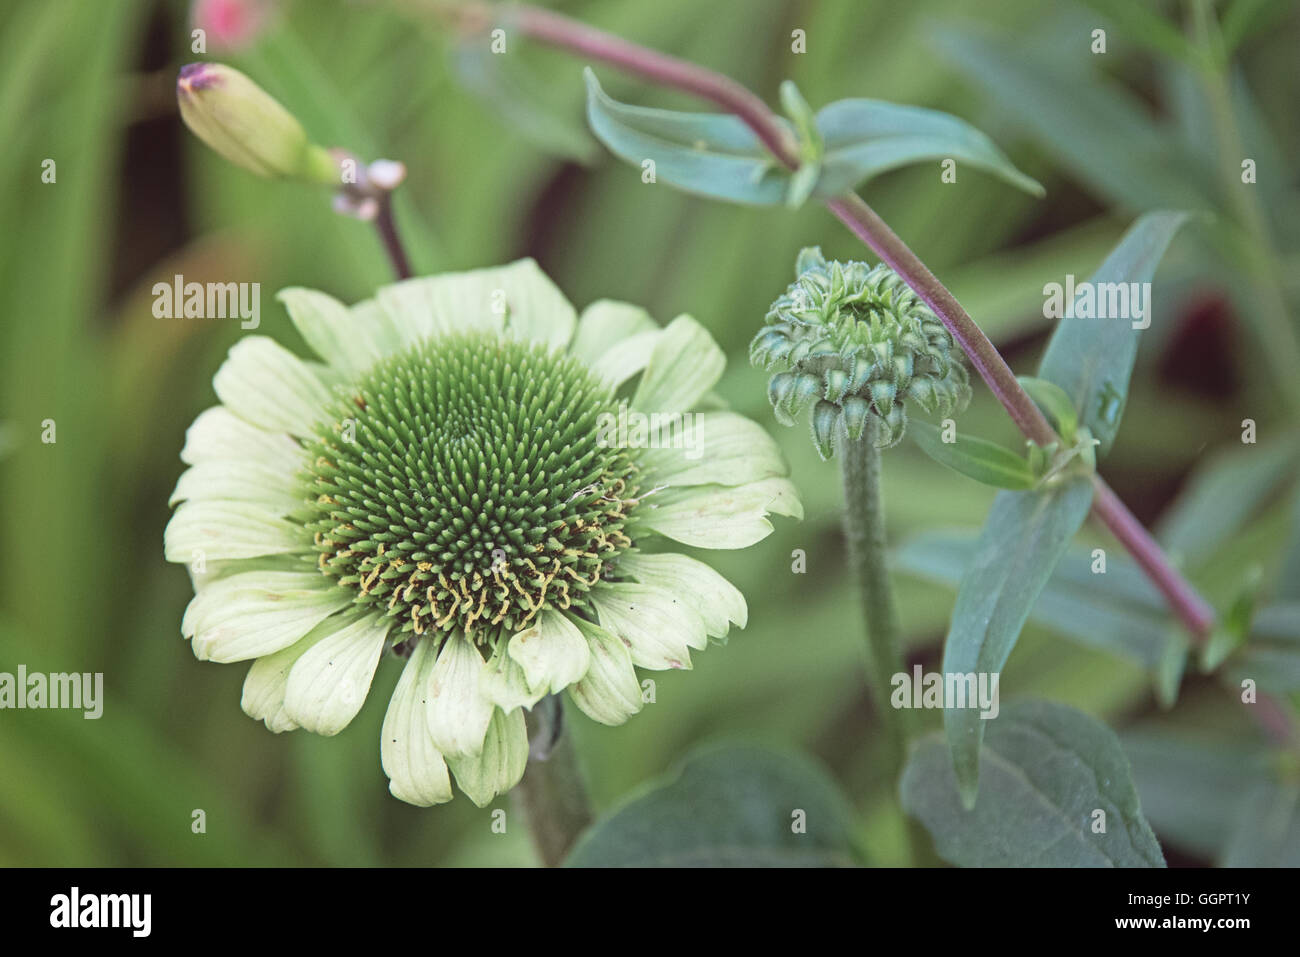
<point>499,167</point>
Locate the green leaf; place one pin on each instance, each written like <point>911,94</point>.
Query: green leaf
<point>1246,17</point>
<point>1222,495</point>
<point>1048,770</point>
<point>1051,398</point>
<point>502,83</point>
<point>864,138</point>
<point>710,154</point>
<point>1138,23</point>
<point>1271,656</point>
<point>727,807</point>
<point>1267,828</point>
<point>1191,782</point>
<point>1117,610</point>
<point>1288,581</point>
<point>1024,537</point>
<point>1231,631</point>
<point>1092,359</point>
<point>1092,127</point>
<point>976,458</point>
<point>717,155</point>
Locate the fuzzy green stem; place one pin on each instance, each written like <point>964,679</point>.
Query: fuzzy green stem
<point>552,795</point>
<point>864,528</point>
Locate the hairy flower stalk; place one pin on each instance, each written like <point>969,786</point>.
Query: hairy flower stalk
<point>855,343</point>
<point>444,488</point>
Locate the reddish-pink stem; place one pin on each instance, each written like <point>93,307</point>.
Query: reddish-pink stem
<point>568,34</point>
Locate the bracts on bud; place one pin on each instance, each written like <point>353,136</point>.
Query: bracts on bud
<point>854,341</point>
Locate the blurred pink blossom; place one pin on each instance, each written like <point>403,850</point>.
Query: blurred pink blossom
<point>231,24</point>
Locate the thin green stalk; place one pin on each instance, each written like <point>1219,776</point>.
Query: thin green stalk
<point>552,795</point>
<point>864,527</point>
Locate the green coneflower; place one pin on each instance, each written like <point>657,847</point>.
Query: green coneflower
<point>443,486</point>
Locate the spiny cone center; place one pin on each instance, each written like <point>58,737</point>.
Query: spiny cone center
<point>460,485</point>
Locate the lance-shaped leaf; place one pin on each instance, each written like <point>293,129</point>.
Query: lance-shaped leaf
<point>1092,359</point>
<point>864,138</point>
<point>976,458</point>
<point>1117,611</point>
<point>1024,537</point>
<point>717,155</point>
<point>1224,493</point>
<point>1058,792</point>
<point>712,154</point>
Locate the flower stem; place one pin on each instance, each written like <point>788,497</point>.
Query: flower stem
<point>864,527</point>
<point>567,34</point>
<point>386,226</point>
<point>552,795</point>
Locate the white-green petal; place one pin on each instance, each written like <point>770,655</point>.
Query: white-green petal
<point>716,516</point>
<point>615,339</point>
<point>622,361</point>
<point>344,339</point>
<point>608,692</point>
<point>416,770</point>
<point>266,681</point>
<point>220,435</point>
<point>501,762</point>
<point>238,481</point>
<point>217,530</point>
<point>518,298</point>
<point>657,626</point>
<point>718,602</point>
<point>376,333</point>
<point>258,613</point>
<point>459,712</point>
<point>726,449</point>
<point>267,385</point>
<point>502,682</point>
<point>329,683</point>
<point>606,323</point>
<point>553,652</point>
<point>685,364</point>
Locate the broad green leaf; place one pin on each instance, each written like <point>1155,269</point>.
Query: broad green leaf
<point>501,82</point>
<point>1051,398</point>
<point>1092,359</point>
<point>1223,493</point>
<point>1025,535</point>
<point>1267,827</point>
<point>711,154</point>
<point>1116,610</point>
<point>727,807</point>
<point>864,138</point>
<point>1138,23</point>
<point>1191,784</point>
<point>976,458</point>
<point>1048,771</point>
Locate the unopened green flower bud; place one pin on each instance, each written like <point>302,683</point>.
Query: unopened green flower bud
<point>860,341</point>
<point>248,126</point>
